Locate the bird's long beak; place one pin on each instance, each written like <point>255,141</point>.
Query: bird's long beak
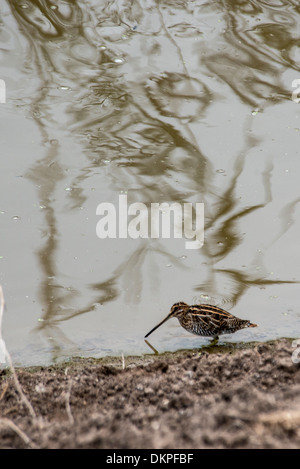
<point>156,327</point>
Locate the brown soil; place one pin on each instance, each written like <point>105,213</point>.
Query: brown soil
<point>233,397</point>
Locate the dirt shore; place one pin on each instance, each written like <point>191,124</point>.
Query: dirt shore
<point>227,397</point>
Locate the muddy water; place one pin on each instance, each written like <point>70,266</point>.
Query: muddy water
<point>161,101</point>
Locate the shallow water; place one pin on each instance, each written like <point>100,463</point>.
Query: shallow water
<point>162,101</point>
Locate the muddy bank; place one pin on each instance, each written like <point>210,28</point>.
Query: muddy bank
<point>237,397</point>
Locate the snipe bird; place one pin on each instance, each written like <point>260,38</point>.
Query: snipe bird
<point>205,320</point>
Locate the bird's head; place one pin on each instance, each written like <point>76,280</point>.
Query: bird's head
<point>178,309</point>
<point>175,312</point>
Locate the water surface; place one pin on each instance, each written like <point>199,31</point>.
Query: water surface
<point>165,101</point>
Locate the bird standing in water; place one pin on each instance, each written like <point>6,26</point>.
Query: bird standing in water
<point>205,320</point>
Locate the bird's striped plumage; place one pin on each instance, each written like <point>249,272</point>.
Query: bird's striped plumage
<point>205,320</point>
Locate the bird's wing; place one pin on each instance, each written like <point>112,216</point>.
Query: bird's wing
<point>210,317</point>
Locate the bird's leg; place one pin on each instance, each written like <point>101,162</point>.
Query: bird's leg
<point>214,340</point>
